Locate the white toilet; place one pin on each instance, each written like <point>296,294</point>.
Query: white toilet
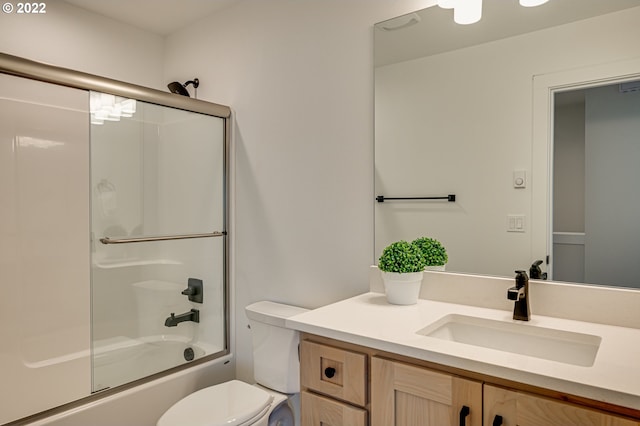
<point>270,402</point>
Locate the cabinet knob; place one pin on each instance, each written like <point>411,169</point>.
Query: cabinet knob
<point>497,421</point>
<point>329,372</point>
<point>464,412</point>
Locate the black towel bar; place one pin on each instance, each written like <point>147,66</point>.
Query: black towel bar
<point>450,198</point>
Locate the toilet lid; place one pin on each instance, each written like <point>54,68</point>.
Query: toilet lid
<point>229,404</point>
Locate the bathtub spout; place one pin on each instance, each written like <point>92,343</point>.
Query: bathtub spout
<point>174,320</point>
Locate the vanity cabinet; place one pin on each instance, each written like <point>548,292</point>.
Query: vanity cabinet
<point>407,395</point>
<point>504,407</point>
<point>343,384</point>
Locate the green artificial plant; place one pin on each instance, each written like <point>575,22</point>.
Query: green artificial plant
<point>402,257</point>
<point>433,252</point>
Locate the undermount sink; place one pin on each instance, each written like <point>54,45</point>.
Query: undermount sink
<point>518,338</point>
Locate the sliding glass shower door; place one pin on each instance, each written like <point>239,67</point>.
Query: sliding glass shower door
<point>158,238</point>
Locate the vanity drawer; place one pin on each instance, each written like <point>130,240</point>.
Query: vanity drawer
<point>339,373</point>
<point>317,411</point>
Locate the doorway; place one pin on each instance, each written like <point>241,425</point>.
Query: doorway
<point>596,152</point>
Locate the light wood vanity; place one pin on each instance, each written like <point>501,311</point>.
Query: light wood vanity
<point>352,385</point>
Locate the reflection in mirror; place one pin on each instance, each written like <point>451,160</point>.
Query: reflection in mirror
<point>453,115</point>
<point>596,152</point>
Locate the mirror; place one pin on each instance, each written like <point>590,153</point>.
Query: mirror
<point>454,114</point>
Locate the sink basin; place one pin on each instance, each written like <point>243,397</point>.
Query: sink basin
<point>518,338</point>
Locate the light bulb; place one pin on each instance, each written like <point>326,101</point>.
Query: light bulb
<point>467,12</point>
<point>532,3</point>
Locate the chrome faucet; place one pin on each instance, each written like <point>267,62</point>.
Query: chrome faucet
<point>174,320</point>
<point>520,293</point>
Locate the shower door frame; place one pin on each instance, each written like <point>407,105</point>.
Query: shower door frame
<point>21,67</point>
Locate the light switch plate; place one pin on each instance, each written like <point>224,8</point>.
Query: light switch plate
<point>516,223</point>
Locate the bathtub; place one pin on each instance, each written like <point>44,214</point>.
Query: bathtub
<point>119,360</point>
<point>142,404</point>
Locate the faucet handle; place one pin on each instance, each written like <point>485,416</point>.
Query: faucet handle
<point>194,290</point>
<point>521,278</point>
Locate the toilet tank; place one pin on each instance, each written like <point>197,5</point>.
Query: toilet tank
<point>276,362</point>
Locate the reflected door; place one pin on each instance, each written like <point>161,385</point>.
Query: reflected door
<point>595,206</point>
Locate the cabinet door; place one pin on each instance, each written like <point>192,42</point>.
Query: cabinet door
<point>320,411</point>
<point>508,408</point>
<point>406,395</point>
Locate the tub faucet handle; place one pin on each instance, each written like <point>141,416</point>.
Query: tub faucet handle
<point>194,290</point>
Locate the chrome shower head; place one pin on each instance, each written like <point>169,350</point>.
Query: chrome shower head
<point>181,89</point>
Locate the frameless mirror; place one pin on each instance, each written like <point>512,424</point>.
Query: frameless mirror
<point>454,114</point>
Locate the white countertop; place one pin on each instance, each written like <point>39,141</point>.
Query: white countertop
<point>368,320</point>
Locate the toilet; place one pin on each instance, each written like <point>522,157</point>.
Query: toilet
<point>272,401</point>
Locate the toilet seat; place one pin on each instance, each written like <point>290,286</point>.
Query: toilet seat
<point>231,403</point>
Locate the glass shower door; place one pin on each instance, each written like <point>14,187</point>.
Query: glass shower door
<point>158,238</point>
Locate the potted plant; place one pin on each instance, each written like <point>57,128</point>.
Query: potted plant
<point>433,252</point>
<point>402,265</point>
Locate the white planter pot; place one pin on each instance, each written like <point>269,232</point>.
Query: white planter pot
<point>435,268</point>
<point>402,289</point>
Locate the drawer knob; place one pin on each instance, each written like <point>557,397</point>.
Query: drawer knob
<point>329,372</point>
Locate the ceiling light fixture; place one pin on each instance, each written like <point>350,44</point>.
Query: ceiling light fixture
<point>467,12</point>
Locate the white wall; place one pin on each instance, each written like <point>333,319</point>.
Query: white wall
<point>299,78</point>
<point>71,37</point>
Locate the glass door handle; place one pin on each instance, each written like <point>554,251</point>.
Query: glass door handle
<point>127,240</point>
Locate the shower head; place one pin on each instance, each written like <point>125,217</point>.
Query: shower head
<point>181,89</point>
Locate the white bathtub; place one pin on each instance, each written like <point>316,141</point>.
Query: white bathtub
<point>140,405</point>
<point>121,360</point>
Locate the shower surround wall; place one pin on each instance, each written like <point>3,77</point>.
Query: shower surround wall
<point>44,247</point>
